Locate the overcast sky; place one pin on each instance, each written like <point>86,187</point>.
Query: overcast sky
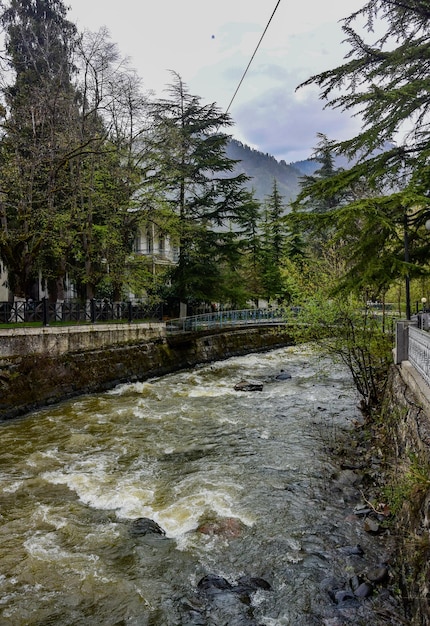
<point>210,43</point>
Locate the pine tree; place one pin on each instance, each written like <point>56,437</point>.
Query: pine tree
<point>274,232</point>
<point>251,249</point>
<point>385,189</point>
<point>386,81</point>
<point>193,177</point>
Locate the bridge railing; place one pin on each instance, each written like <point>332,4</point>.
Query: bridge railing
<point>222,319</point>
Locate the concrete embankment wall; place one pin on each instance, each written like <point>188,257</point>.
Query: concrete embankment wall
<point>406,422</point>
<point>62,339</point>
<point>32,378</point>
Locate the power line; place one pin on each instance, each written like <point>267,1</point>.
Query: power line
<point>251,59</point>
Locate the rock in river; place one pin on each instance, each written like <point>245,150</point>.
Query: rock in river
<point>145,526</point>
<point>246,385</point>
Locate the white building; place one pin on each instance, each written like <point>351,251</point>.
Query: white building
<point>156,245</point>
<point>150,242</point>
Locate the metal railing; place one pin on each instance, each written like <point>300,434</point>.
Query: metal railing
<point>93,311</point>
<point>222,319</point>
<point>419,351</point>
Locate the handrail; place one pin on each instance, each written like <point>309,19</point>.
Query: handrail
<point>419,351</point>
<point>221,319</point>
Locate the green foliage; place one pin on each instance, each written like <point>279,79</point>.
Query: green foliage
<point>366,228</point>
<point>36,134</point>
<point>385,79</point>
<point>272,249</point>
<point>411,488</point>
<point>351,333</point>
<point>70,167</point>
<point>309,201</point>
<point>384,194</point>
<point>192,175</point>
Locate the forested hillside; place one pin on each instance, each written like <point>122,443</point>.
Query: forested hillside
<point>264,168</point>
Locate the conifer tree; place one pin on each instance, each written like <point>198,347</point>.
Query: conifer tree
<point>194,177</point>
<point>385,80</point>
<point>251,249</point>
<point>39,116</point>
<point>274,232</point>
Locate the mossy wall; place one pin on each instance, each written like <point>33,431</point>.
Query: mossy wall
<point>406,423</point>
<point>34,380</point>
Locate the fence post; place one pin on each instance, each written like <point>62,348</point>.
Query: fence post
<point>93,310</point>
<point>401,352</point>
<point>130,312</point>
<point>45,312</point>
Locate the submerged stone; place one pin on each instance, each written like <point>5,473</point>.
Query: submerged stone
<point>283,376</point>
<point>364,590</point>
<point>378,574</point>
<point>227,527</point>
<point>356,550</point>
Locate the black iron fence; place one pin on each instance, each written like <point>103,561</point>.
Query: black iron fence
<point>45,312</point>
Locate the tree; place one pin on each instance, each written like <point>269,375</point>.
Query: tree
<point>250,236</point>
<point>345,227</point>
<point>71,154</point>
<point>386,82</point>
<point>325,156</point>
<point>39,115</point>
<point>192,175</point>
<point>353,335</point>
<point>106,167</point>
<point>273,240</point>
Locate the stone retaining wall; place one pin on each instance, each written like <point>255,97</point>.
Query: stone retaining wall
<point>31,380</point>
<point>406,420</point>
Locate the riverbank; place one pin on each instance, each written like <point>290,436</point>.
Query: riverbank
<point>391,454</point>
<point>403,432</point>
<point>31,380</point>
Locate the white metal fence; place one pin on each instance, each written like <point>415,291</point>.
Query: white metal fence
<point>419,351</point>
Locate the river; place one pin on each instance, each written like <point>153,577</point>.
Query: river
<point>241,483</point>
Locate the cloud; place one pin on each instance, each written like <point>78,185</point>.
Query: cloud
<point>210,44</point>
<point>294,124</point>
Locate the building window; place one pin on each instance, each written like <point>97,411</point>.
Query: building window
<point>161,244</point>
<point>149,242</point>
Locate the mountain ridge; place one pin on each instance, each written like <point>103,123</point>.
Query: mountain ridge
<point>263,168</point>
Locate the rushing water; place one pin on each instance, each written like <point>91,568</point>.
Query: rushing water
<point>184,450</point>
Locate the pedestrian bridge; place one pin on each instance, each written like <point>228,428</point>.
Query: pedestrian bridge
<point>230,319</point>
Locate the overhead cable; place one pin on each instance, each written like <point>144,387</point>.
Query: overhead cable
<point>251,59</point>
